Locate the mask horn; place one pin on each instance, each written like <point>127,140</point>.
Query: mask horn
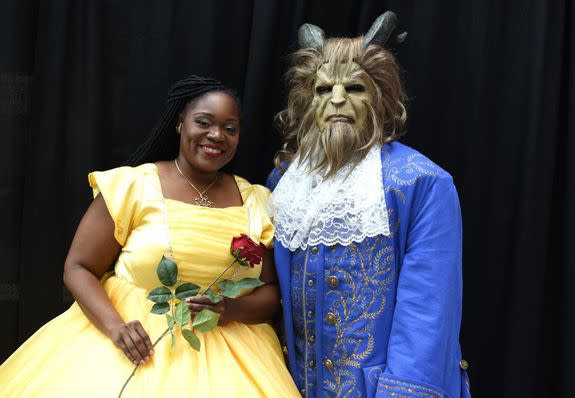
<point>311,36</point>
<point>382,29</point>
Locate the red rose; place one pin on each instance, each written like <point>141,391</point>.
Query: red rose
<point>246,251</point>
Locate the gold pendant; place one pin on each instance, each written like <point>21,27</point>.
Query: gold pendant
<point>203,201</point>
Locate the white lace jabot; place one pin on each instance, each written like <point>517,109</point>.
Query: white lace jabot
<point>309,211</point>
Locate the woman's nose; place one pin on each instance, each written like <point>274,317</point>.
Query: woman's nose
<point>216,133</point>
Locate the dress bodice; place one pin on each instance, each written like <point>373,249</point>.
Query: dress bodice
<point>149,226</point>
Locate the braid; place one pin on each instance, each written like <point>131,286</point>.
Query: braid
<point>163,143</point>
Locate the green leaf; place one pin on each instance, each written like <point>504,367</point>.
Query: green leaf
<point>171,322</point>
<point>243,262</point>
<point>192,339</point>
<point>160,295</point>
<point>205,320</point>
<point>248,283</point>
<point>226,284</point>
<point>214,298</point>
<point>229,288</point>
<point>167,272</point>
<point>160,308</point>
<point>186,290</point>
<point>183,315</point>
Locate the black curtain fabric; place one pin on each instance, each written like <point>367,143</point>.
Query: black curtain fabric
<point>492,100</point>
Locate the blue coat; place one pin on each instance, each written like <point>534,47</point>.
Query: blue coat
<point>380,318</point>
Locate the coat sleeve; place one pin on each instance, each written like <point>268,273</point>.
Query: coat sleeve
<point>423,352</point>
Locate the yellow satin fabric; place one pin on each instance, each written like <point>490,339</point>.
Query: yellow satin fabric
<point>69,357</point>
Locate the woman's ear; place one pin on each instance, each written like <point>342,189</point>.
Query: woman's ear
<point>179,128</point>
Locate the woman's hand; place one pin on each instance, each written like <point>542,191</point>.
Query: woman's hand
<point>198,303</point>
<point>256,307</point>
<point>133,340</point>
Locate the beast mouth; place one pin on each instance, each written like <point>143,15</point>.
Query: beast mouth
<point>339,118</point>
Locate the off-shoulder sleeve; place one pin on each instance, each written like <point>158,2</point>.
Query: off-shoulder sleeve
<point>121,189</point>
<point>262,197</point>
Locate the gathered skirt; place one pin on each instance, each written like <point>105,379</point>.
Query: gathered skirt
<point>70,357</point>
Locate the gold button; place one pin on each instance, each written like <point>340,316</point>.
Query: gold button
<point>310,282</point>
<point>310,313</point>
<point>311,338</point>
<point>281,301</point>
<point>311,363</point>
<point>302,392</point>
<point>314,250</point>
<point>328,364</point>
<point>285,350</point>
<point>330,318</point>
<point>332,281</point>
<point>463,364</point>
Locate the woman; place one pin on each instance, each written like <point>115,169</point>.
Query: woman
<point>185,209</point>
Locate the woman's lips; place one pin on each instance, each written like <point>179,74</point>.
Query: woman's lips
<point>211,150</point>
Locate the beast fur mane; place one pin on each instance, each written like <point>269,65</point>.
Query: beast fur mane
<point>380,70</point>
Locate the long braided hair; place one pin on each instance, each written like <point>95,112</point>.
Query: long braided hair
<point>163,143</point>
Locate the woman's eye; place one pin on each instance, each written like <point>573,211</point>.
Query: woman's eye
<point>202,123</point>
<point>231,129</point>
<point>322,89</point>
<point>355,88</point>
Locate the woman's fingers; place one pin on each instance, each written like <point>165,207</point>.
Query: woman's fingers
<point>131,348</point>
<point>145,338</point>
<point>142,352</point>
<point>198,303</point>
<point>199,300</point>
<point>133,340</point>
<point>125,350</point>
<point>195,308</point>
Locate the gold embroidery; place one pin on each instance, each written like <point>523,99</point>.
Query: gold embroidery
<point>404,389</point>
<point>411,171</point>
<point>366,272</point>
<point>373,375</point>
<point>303,307</point>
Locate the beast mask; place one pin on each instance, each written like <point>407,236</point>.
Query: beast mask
<point>345,95</point>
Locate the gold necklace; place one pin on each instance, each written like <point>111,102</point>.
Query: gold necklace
<point>202,199</point>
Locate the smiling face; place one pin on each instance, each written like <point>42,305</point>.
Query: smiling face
<point>341,96</point>
<point>209,131</point>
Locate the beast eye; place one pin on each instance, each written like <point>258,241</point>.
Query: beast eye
<point>355,88</point>
<point>322,89</point>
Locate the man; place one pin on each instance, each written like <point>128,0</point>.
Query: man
<point>368,231</point>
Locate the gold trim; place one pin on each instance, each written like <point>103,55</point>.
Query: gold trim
<point>400,388</point>
<point>303,305</point>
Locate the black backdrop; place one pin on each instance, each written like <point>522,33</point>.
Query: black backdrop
<point>492,89</point>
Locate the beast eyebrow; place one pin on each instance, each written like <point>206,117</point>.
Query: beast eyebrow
<point>354,82</point>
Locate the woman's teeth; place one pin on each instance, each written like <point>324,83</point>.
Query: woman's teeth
<point>211,150</point>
